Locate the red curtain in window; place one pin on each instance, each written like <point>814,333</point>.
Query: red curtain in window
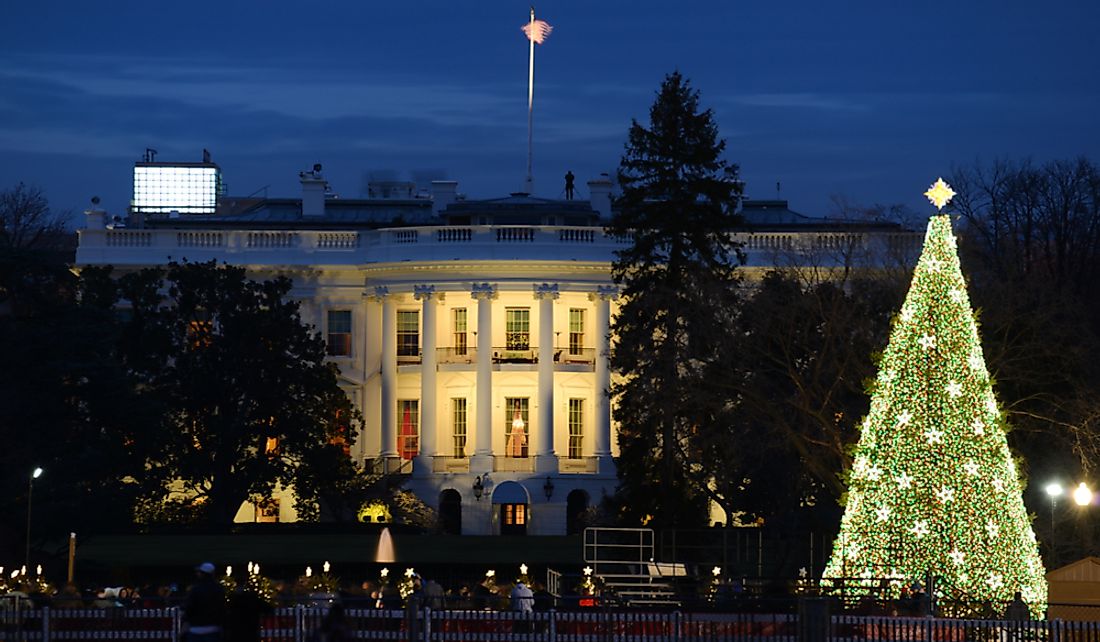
<point>406,441</point>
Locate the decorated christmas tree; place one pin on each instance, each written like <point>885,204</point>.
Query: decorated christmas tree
<point>933,489</point>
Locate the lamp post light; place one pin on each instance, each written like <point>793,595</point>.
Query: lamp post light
<point>35,474</point>
<point>1054,491</point>
<point>1082,495</point>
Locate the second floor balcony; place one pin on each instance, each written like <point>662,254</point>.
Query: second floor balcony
<point>564,358</point>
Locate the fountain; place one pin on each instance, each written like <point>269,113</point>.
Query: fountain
<point>385,554</point>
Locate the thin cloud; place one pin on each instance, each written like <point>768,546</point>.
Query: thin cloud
<point>801,100</point>
<point>296,92</point>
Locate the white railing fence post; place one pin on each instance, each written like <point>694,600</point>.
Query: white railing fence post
<point>46,624</point>
<point>427,626</point>
<point>551,626</point>
<point>174,612</point>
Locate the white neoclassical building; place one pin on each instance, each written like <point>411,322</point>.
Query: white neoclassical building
<point>473,335</point>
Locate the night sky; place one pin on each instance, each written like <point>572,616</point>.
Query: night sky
<point>869,101</point>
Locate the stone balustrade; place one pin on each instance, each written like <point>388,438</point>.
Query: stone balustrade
<point>440,243</point>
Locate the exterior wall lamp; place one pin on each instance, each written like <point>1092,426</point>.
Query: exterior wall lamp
<point>548,488</point>
<point>479,488</point>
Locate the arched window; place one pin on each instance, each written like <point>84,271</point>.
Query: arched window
<point>450,512</point>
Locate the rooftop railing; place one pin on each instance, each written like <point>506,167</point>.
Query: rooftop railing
<point>433,243</point>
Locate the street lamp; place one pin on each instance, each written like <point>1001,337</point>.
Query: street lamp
<point>35,474</point>
<point>1082,496</point>
<point>1054,491</point>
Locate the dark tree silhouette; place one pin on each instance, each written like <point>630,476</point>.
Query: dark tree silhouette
<point>678,204</point>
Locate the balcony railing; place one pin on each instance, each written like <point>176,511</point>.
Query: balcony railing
<point>350,247</point>
<point>468,355</point>
<point>582,355</point>
<point>513,464</point>
<point>456,355</point>
<point>446,464</point>
<point>578,465</point>
<point>391,466</point>
<point>515,355</point>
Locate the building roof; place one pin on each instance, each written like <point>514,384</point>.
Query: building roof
<point>283,213</point>
<point>515,209</point>
<point>1083,570</point>
<point>776,215</point>
<point>521,209</point>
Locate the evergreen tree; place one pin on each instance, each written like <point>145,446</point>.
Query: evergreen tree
<point>933,488</point>
<point>678,206</point>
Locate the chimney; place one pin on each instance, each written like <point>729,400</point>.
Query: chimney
<point>313,192</point>
<point>94,217</point>
<point>443,194</point>
<point>599,194</point>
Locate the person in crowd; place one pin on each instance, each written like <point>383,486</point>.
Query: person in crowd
<point>204,609</point>
<point>523,598</point>
<point>245,612</point>
<point>334,626</point>
<point>106,598</point>
<point>69,597</point>
<point>433,595</point>
<point>1017,610</point>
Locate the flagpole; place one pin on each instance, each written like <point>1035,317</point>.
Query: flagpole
<point>530,184</point>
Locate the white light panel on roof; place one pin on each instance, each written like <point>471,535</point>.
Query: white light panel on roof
<point>188,190</point>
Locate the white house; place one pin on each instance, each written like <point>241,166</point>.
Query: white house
<point>473,335</point>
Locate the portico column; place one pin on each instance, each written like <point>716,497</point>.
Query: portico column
<point>603,296</point>
<point>388,446</point>
<point>482,461</point>
<point>422,467</point>
<point>545,459</point>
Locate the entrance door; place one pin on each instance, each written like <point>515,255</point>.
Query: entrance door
<point>513,519</point>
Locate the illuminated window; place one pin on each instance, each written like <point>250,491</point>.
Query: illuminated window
<point>271,447</point>
<point>339,333</point>
<point>408,333</point>
<point>340,436</point>
<point>516,426</point>
<point>513,514</point>
<point>517,328</point>
<point>459,426</point>
<point>200,331</point>
<point>408,437</point>
<point>576,330</point>
<point>458,320</point>
<point>576,428</point>
<point>267,511</point>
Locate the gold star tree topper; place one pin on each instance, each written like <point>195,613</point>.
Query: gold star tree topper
<point>940,193</point>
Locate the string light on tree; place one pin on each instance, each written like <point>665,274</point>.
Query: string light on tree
<point>947,482</point>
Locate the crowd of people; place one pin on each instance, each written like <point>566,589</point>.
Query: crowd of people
<point>367,594</point>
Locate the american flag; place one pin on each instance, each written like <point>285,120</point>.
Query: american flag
<point>537,30</point>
